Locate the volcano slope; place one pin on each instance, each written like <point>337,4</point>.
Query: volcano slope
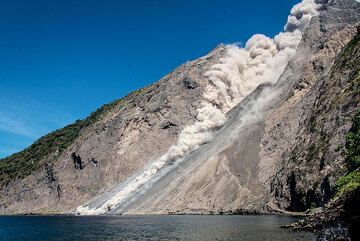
<point>269,156</point>
<point>271,148</point>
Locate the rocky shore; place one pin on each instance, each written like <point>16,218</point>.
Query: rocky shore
<point>339,220</point>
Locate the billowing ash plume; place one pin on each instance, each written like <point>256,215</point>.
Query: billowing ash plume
<point>262,59</point>
<point>301,15</point>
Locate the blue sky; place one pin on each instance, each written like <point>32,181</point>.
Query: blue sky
<point>60,60</point>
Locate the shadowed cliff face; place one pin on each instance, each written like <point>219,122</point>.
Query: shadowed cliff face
<point>323,100</point>
<point>275,150</point>
<point>314,162</point>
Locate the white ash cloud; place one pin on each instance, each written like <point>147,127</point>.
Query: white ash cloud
<point>263,59</point>
<point>301,15</point>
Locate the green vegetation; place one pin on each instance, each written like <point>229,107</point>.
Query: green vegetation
<point>348,53</point>
<point>353,143</point>
<point>139,91</point>
<point>351,181</point>
<point>22,164</point>
<point>316,148</point>
<point>348,183</point>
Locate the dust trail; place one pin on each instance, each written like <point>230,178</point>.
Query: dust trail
<point>236,75</point>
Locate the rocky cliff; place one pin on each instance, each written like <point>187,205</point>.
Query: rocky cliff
<point>182,145</point>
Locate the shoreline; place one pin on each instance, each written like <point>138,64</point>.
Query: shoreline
<point>285,214</point>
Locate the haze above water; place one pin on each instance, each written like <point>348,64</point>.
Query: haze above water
<point>187,227</point>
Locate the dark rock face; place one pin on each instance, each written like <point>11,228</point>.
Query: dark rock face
<point>190,84</point>
<point>339,220</point>
<point>50,174</point>
<point>52,181</point>
<point>78,164</point>
<point>166,125</point>
<point>352,214</point>
<point>95,162</point>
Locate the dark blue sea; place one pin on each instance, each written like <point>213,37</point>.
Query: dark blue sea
<point>184,227</point>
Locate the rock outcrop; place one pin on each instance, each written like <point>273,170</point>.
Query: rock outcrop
<point>339,220</point>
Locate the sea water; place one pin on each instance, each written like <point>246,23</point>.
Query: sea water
<point>152,227</point>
